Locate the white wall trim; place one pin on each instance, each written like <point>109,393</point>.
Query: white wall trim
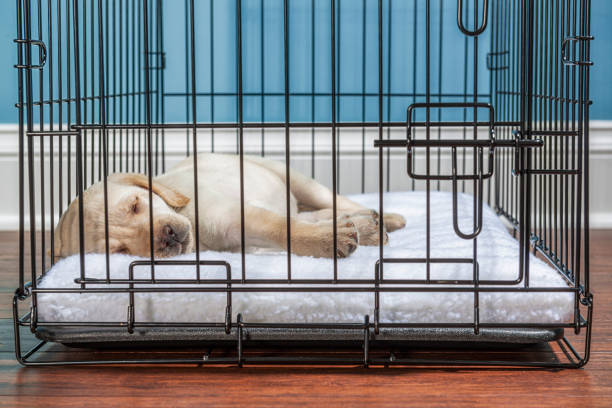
<point>601,220</point>
<point>600,144</point>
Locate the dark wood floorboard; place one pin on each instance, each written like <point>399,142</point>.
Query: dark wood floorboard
<point>191,386</point>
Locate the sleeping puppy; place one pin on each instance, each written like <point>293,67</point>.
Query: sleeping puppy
<point>219,213</point>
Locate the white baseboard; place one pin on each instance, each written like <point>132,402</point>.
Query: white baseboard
<point>351,151</point>
<point>601,220</point>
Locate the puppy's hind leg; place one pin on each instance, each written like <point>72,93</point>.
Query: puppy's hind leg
<point>366,224</point>
<point>313,196</point>
<point>308,192</point>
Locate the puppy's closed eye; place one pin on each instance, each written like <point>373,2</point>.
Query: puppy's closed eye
<point>121,250</point>
<point>135,206</point>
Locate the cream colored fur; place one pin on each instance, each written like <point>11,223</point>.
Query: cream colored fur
<point>219,212</point>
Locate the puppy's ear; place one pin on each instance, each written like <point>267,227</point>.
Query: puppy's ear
<point>172,197</point>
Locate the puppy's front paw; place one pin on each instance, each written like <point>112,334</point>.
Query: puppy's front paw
<point>347,237</point>
<point>368,227</point>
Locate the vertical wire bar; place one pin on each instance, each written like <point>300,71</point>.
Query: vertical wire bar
<point>559,181</point>
<point>465,97</point>
<point>107,82</point>
<point>477,162</point>
<point>333,137</point>
<point>581,161</point>
<point>576,198</point>
<point>51,127</point>
<point>537,113</point>
<point>114,74</point>
<point>414,67</point>
<point>550,180</point>
<point>30,126</point>
<point>440,56</point>
<point>85,93</point>
<point>79,148</point>
<point>212,74</point>
<point>548,118</point>
<point>138,89</point>
<point>93,89</point>
<point>363,92</point>
<point>527,189</point>
<point>262,78</point>
<point>312,87</point>
<point>68,114</point>
<point>187,65</point>
<point>540,188</point>
<point>121,89</point>
<point>21,152</point>
<point>389,52</point>
<point>576,202</point>
<point>517,99</point>
<point>287,136</point>
<point>552,85</point>
<point>568,126</point>
<point>102,107</point>
<point>43,239</point>
<point>507,105</point>
<point>338,99</point>
<point>427,136</point>
<point>155,82</point>
<point>241,137</point>
<point>492,76</point>
<point>494,97</point>
<point>236,130</point>
<point>564,149</point>
<point>195,135</point>
<point>147,87</point>
<point>162,83</point>
<point>567,182</point>
<point>134,88</point>
<point>523,104</point>
<point>585,147</point>
<point>60,113</point>
<point>381,225</point>
<point>554,116</point>
<point>494,88</point>
<point>509,99</point>
<point>561,150</point>
<point>129,84</point>
<point>552,155</point>
<point>557,115</point>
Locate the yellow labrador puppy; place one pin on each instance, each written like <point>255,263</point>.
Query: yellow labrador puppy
<point>174,209</point>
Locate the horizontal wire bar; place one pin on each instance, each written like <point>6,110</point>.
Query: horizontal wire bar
<point>260,125</point>
<point>90,281</point>
<point>305,289</point>
<point>84,98</point>
<point>357,94</point>
<point>339,326</point>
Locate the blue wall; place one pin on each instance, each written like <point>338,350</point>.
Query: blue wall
<point>350,60</point>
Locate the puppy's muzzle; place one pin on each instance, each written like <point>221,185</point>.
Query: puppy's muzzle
<point>169,237</point>
<point>172,237</point>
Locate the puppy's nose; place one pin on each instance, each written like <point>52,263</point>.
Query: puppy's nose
<point>169,234</point>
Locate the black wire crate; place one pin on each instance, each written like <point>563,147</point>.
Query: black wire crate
<point>485,102</point>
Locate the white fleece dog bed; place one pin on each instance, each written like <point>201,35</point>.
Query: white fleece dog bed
<point>497,257</point>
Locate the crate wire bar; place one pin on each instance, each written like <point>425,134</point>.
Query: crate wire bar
<point>102,106</point>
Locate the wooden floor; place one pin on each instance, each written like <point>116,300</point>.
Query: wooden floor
<point>193,386</point>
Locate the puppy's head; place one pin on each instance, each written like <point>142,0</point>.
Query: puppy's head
<point>128,219</point>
